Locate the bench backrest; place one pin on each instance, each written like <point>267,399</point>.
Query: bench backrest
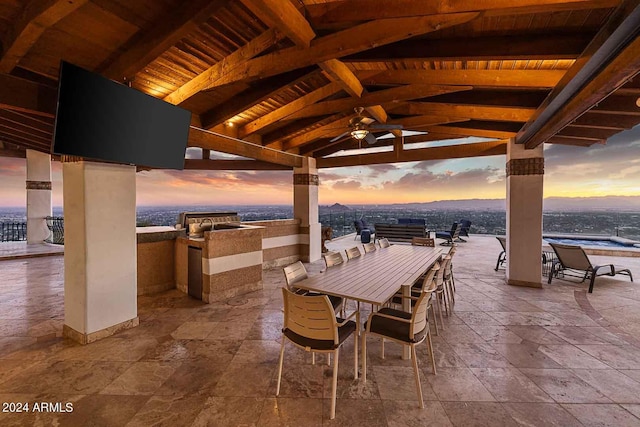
<point>399,232</point>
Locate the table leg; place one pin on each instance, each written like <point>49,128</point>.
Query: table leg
<point>406,306</point>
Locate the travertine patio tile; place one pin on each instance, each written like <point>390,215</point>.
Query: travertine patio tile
<point>602,415</point>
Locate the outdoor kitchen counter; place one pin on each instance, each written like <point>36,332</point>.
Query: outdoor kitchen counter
<point>230,262</point>
<point>155,258</point>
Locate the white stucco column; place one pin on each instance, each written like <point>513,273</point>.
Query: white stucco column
<point>305,208</point>
<point>38,195</point>
<point>525,174</point>
<point>100,249</point>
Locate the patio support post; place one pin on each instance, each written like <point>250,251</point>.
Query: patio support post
<point>525,174</point>
<point>305,208</point>
<point>100,263</point>
<point>38,195</point>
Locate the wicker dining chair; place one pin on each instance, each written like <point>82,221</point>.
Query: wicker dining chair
<point>332,259</point>
<point>423,241</point>
<point>296,272</point>
<point>405,328</point>
<point>353,252</point>
<point>384,242</point>
<point>311,325</point>
<point>427,283</point>
<point>369,247</point>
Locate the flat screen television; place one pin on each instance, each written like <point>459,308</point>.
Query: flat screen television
<point>99,119</point>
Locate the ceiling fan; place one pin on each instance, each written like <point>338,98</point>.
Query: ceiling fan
<point>361,127</point>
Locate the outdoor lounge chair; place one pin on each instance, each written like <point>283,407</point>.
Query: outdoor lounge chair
<point>465,225</point>
<point>449,236</point>
<point>573,258</point>
<point>502,258</point>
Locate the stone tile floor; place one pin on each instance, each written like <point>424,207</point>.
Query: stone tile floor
<point>507,356</point>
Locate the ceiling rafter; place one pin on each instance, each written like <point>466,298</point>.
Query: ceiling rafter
<point>229,64</point>
<point>171,28</point>
<point>341,43</point>
<point>478,149</point>
<point>36,17</point>
<point>477,112</point>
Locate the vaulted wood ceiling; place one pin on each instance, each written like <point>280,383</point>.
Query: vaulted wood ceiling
<point>287,74</point>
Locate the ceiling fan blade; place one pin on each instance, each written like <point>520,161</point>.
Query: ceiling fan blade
<point>340,136</point>
<point>386,127</point>
<point>367,120</point>
<point>370,138</point>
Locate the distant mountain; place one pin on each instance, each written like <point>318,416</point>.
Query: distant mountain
<point>336,207</point>
<point>614,203</point>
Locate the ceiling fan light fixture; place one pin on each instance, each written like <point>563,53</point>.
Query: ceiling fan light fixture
<point>359,134</point>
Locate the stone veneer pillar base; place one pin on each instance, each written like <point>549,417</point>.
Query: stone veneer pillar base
<point>79,337</point>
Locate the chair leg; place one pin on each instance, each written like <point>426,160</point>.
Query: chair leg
<point>382,349</point>
<point>440,312</point>
<point>364,356</point>
<point>328,359</point>
<point>280,366</point>
<point>433,356</point>
<point>313,358</point>
<point>435,322</point>
<point>416,372</point>
<point>355,347</point>
<point>334,385</point>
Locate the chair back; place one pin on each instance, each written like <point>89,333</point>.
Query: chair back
<point>444,266</point>
<point>294,273</point>
<point>572,256</point>
<point>455,230</point>
<point>353,252</point>
<point>369,247</point>
<point>419,320</point>
<point>465,225</point>
<point>423,241</point>
<point>358,226</point>
<point>310,316</point>
<point>384,243</point>
<point>503,242</point>
<point>429,279</point>
<point>333,258</point>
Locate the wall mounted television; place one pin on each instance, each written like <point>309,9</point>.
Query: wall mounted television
<point>99,119</point>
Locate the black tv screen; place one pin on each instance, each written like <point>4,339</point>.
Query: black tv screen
<point>100,119</point>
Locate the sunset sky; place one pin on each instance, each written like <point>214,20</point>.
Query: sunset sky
<point>611,169</point>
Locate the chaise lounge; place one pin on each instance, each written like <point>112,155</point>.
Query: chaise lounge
<point>573,258</point>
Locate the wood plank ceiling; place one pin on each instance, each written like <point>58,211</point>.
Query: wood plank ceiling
<point>287,75</point>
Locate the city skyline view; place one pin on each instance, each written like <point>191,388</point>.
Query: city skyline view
<point>601,170</point>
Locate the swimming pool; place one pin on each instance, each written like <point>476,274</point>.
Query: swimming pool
<point>601,243</point>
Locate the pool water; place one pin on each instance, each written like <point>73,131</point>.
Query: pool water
<point>587,242</point>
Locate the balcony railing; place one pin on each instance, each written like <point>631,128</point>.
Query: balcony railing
<point>13,231</point>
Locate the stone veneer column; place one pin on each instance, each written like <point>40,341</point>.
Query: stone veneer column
<point>38,195</point>
<point>525,175</point>
<point>100,249</point>
<point>305,208</point>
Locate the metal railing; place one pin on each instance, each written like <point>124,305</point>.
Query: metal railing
<point>13,231</point>
<point>56,227</point>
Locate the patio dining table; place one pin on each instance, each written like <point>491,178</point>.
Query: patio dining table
<point>376,277</point>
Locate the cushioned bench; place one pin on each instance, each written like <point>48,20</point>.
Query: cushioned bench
<point>400,232</point>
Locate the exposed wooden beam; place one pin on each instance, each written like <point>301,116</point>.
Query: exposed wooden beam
<point>167,31</point>
<point>618,104</point>
<point>585,132</point>
<point>479,149</point>
<point>386,96</point>
<point>501,97</point>
<point>26,96</point>
<point>208,140</point>
<point>35,125</point>
<point>463,132</point>
<point>416,122</point>
<point>378,112</point>
<point>8,152</point>
<point>338,72</point>
<point>509,114</point>
<point>605,121</point>
<point>284,15</point>
<point>290,108</point>
<point>492,48</point>
<point>9,128</point>
<point>341,43</point>
<point>339,124</point>
<point>257,93</point>
<point>36,17</point>
<point>233,165</point>
<point>210,77</point>
<point>362,10</point>
<point>577,142</point>
<point>486,78</point>
<point>610,60</point>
